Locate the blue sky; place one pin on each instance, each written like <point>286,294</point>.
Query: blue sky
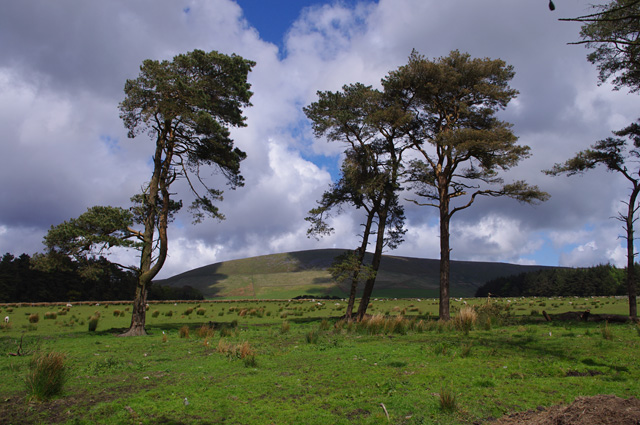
<point>62,78</point>
<point>274,18</point>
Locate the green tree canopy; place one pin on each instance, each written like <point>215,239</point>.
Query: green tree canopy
<point>186,106</point>
<point>461,145</point>
<point>613,31</point>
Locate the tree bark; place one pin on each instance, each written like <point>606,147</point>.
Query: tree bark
<point>631,269</point>
<point>445,254</point>
<point>361,254</point>
<point>139,312</point>
<point>375,264</point>
<point>158,186</point>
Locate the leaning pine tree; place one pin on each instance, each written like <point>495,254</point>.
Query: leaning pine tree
<point>187,106</point>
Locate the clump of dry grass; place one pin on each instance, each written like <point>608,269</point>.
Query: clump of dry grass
<point>93,323</point>
<point>205,331</point>
<point>183,332</point>
<point>242,351</point>
<point>34,318</point>
<point>466,319</point>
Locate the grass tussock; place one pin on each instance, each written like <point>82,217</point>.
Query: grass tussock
<point>183,332</point>
<point>50,315</point>
<point>34,318</point>
<point>285,327</point>
<point>205,331</point>
<point>93,323</point>
<point>466,319</point>
<point>47,375</point>
<point>606,331</point>
<point>312,336</point>
<point>448,402</point>
<point>243,351</point>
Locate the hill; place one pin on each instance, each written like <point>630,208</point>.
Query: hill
<point>286,275</point>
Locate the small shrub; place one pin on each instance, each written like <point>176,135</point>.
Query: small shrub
<point>93,323</point>
<point>447,400</point>
<point>34,318</point>
<point>183,332</point>
<point>47,375</point>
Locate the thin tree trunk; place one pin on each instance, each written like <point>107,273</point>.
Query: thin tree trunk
<point>631,269</point>
<point>361,254</point>
<point>445,256</point>
<point>375,264</point>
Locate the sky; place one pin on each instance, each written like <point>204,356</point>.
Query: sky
<point>63,66</point>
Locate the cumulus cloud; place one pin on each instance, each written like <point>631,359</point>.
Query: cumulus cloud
<point>65,148</point>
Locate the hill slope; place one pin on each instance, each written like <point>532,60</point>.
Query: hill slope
<point>304,272</point>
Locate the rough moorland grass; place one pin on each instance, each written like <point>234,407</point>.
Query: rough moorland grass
<point>46,376</point>
<point>342,378</point>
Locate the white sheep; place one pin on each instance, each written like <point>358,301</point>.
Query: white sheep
<point>6,319</point>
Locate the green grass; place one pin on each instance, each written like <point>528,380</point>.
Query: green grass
<point>257,373</point>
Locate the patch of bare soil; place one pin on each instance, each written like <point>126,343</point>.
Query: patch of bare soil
<point>596,410</point>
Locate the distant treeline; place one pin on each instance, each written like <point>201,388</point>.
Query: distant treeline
<point>593,281</point>
<point>20,281</point>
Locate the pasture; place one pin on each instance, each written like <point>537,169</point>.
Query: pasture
<point>295,362</point>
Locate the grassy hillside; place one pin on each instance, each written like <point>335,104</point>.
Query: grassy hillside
<point>281,276</point>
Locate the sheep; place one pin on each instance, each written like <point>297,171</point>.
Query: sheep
<point>6,319</point>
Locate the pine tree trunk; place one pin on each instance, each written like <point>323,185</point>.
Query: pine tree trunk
<point>631,269</point>
<point>139,311</point>
<point>445,263</point>
<point>375,264</point>
<point>361,254</point>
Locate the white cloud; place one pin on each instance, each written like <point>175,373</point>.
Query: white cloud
<point>65,148</point>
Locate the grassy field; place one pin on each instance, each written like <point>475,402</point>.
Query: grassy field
<point>295,362</point>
